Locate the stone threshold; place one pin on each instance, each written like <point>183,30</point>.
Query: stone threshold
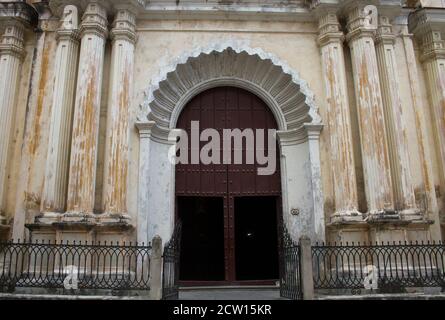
<point>384,296</point>
<point>230,287</point>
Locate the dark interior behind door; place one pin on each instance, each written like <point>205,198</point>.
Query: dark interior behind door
<point>202,243</point>
<point>256,245</point>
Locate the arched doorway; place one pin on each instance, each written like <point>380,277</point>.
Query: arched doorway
<point>229,213</point>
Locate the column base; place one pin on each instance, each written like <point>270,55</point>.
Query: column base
<point>113,217</point>
<point>412,214</point>
<point>380,226</point>
<point>353,216</point>
<point>382,216</point>
<point>81,227</point>
<point>48,217</point>
<point>4,228</point>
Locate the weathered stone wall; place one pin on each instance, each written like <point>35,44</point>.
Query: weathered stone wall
<point>160,42</point>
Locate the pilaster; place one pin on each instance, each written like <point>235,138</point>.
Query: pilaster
<point>11,55</point>
<point>428,26</point>
<point>362,25</point>
<point>116,151</point>
<point>330,40</point>
<point>82,171</point>
<point>404,197</point>
<point>57,163</point>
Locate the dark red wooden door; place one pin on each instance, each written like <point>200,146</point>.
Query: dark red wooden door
<point>227,108</point>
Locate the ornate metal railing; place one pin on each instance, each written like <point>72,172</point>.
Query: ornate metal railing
<point>290,270</point>
<point>170,267</point>
<point>383,267</point>
<point>74,266</point>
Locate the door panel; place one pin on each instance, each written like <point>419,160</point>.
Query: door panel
<point>226,108</point>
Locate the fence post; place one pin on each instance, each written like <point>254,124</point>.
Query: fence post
<point>307,280</point>
<point>156,269</point>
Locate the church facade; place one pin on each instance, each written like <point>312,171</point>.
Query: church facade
<point>91,91</point>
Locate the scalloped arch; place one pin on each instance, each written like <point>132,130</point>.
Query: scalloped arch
<point>282,89</point>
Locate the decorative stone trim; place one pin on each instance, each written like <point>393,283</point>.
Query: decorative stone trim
<point>290,98</point>
<point>124,26</point>
<point>13,40</point>
<point>94,21</point>
<point>20,11</point>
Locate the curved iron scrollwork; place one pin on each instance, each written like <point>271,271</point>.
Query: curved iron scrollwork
<point>86,265</point>
<point>290,271</point>
<point>384,268</point>
<point>170,268</point>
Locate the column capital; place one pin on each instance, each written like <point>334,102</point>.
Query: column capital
<point>384,31</point>
<point>124,25</point>
<point>361,21</point>
<point>70,35</point>
<point>428,27</point>
<point>12,42</point>
<point>145,128</point>
<point>329,27</point>
<point>69,24</point>
<point>94,20</point>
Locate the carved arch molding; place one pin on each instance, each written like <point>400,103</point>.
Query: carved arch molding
<point>282,89</point>
<point>263,74</point>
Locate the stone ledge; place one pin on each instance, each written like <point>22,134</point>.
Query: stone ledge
<point>83,226</point>
<point>384,296</point>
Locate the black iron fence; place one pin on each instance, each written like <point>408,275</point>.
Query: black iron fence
<point>290,269</point>
<point>74,266</point>
<point>170,266</point>
<point>381,267</point>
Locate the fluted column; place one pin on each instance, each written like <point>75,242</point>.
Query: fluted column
<point>361,25</point>
<point>11,54</point>
<point>433,60</point>
<point>121,78</point>
<point>333,66</point>
<point>430,203</point>
<point>82,173</point>
<point>404,198</point>
<point>57,163</point>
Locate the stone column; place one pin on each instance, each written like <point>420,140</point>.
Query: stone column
<point>11,54</point>
<point>121,78</point>
<point>361,25</point>
<point>333,66</point>
<point>82,173</point>
<point>57,163</point>
<point>403,189</point>
<point>430,200</point>
<point>428,33</point>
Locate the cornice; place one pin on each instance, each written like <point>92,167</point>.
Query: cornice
<point>428,27</point>
<point>19,11</point>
